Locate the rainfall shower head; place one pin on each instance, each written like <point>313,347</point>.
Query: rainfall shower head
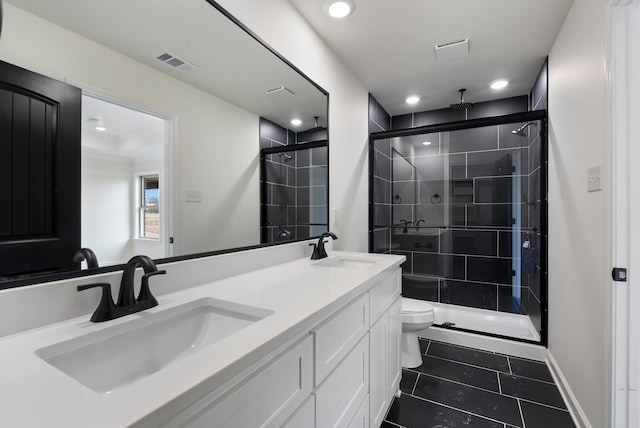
<point>520,131</point>
<point>461,105</point>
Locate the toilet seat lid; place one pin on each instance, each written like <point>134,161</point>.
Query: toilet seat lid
<point>415,306</point>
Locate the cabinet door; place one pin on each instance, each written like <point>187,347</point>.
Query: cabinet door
<point>305,416</point>
<point>340,395</point>
<point>338,335</point>
<point>266,399</point>
<point>379,336</point>
<point>361,419</point>
<point>393,371</point>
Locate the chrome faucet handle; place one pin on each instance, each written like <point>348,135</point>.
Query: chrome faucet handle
<point>106,307</point>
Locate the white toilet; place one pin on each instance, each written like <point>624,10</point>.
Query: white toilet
<point>416,315</point>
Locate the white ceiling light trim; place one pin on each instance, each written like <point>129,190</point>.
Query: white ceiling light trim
<point>340,9</point>
<point>413,99</point>
<point>296,122</point>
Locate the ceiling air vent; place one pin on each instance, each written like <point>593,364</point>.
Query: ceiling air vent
<point>452,50</point>
<point>176,62</point>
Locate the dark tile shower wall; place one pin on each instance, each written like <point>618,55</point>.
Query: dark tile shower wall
<point>295,184</point>
<point>464,197</point>
<point>379,120</point>
<point>469,199</point>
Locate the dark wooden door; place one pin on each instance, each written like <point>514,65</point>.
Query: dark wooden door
<point>39,172</point>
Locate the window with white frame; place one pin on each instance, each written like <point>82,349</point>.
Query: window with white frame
<point>149,207</point>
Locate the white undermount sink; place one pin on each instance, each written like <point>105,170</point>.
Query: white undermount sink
<point>343,262</point>
<point>111,358</point>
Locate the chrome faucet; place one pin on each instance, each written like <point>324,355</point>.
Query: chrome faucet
<point>319,251</point>
<point>127,303</point>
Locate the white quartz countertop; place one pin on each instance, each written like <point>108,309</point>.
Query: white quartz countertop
<point>33,393</point>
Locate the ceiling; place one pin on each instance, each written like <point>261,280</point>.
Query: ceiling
<point>389,45</point>
<point>230,63</point>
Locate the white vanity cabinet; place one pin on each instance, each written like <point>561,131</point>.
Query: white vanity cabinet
<point>385,337</point>
<point>342,372</point>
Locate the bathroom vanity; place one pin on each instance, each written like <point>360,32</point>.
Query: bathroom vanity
<point>306,343</point>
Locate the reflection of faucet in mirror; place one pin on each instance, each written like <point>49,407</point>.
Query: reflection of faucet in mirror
<point>405,222</point>
<point>418,223</point>
<point>319,251</point>
<point>127,304</point>
<point>86,254</point>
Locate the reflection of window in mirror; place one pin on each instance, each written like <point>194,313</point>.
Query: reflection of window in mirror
<point>149,207</point>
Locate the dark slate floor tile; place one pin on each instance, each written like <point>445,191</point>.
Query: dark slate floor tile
<point>532,390</point>
<point>532,369</point>
<point>469,356</point>
<point>423,345</point>
<point>412,412</point>
<point>469,399</point>
<point>463,373</point>
<point>408,381</point>
<point>536,416</point>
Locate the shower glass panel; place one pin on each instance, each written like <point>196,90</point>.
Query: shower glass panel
<point>294,192</point>
<point>467,207</point>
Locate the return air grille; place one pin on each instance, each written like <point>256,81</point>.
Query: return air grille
<point>176,62</point>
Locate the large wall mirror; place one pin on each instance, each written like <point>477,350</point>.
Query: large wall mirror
<point>188,146</point>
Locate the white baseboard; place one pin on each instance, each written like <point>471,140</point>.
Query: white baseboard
<point>578,415</point>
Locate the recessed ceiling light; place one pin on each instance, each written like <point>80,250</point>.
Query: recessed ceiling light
<point>426,143</point>
<point>101,128</point>
<point>412,99</point>
<point>499,84</point>
<point>296,122</point>
<point>341,9</point>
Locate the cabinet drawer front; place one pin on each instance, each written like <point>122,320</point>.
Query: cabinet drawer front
<point>361,419</point>
<point>340,395</point>
<point>305,416</point>
<point>268,398</point>
<point>336,336</point>
<point>384,293</point>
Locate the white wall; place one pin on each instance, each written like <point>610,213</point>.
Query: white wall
<point>348,109</point>
<point>106,200</point>
<point>210,131</point>
<point>577,241</point>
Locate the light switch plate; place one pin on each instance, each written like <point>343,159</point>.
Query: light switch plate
<point>193,195</point>
<point>594,178</point>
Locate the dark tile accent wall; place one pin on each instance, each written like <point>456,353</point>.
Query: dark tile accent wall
<point>295,184</point>
<point>379,120</point>
<point>498,107</point>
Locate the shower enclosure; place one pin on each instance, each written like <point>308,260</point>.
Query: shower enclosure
<point>465,202</point>
<point>294,194</point>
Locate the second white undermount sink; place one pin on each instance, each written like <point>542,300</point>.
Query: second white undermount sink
<point>111,358</point>
<point>343,262</point>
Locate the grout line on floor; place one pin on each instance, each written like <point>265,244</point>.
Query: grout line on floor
<point>415,384</point>
<point>539,403</point>
<point>521,415</point>
<point>499,385</point>
<point>509,364</point>
<point>394,424</point>
<point>466,364</point>
<point>531,378</point>
<point>466,384</point>
<point>428,346</point>
<point>459,410</point>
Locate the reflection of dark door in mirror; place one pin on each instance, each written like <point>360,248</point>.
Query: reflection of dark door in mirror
<point>39,172</point>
